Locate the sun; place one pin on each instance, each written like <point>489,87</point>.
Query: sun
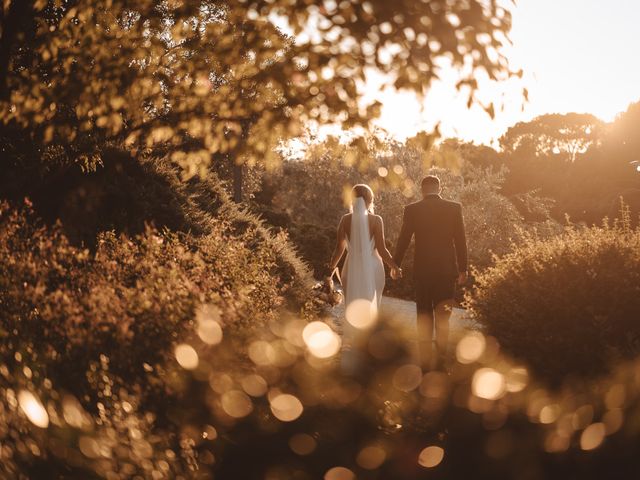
<point>577,55</point>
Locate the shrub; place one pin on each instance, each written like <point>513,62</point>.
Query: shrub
<point>132,191</point>
<point>568,304</point>
<point>137,293</point>
<point>258,404</point>
<point>493,221</point>
<point>101,326</point>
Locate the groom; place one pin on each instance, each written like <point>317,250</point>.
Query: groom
<point>440,263</point>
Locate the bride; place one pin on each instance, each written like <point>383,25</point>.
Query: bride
<point>361,234</point>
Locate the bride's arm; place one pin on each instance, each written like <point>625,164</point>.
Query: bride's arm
<point>381,246</point>
<point>341,245</point>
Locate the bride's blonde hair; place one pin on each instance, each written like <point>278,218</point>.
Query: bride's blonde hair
<point>363,191</point>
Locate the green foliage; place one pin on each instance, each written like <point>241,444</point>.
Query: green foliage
<point>136,293</point>
<point>118,404</point>
<point>208,77</point>
<point>576,160</point>
<point>567,135</point>
<point>321,177</point>
<point>567,305</point>
<point>127,195</point>
<point>69,314</point>
<point>493,222</point>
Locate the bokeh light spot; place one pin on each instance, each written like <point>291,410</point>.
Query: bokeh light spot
<point>302,444</point>
<point>285,407</point>
<point>434,385</point>
<point>582,417</point>
<point>488,383</point>
<point>210,332</point>
<point>209,432</point>
<point>361,313</point>
<point>371,457</point>
<point>236,404</point>
<point>33,409</point>
<point>261,352</point>
<point>407,378</point>
<point>517,378</point>
<point>254,385</point>
<point>74,414</point>
<point>470,348</point>
<point>592,436</point>
<point>321,341</point>
<point>549,413</point>
<point>339,473</point>
<point>89,447</point>
<point>613,420</point>
<point>187,356</point>
<point>615,397</point>
<point>431,456</point>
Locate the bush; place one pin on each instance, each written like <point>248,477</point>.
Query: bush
<point>93,330</point>
<point>101,325</point>
<point>88,339</point>
<point>568,304</point>
<point>493,220</point>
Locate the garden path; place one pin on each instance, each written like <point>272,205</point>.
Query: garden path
<point>402,314</point>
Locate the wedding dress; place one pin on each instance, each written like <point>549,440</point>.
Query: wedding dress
<point>363,270</point>
<point>362,273</point>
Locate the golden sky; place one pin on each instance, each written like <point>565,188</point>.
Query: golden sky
<point>578,56</point>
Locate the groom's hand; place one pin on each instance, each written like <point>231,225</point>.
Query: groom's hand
<point>462,278</point>
<point>396,273</point>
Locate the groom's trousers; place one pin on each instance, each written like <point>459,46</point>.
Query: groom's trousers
<point>429,292</point>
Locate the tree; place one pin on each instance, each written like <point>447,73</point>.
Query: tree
<point>622,140</point>
<point>217,79</point>
<point>559,134</point>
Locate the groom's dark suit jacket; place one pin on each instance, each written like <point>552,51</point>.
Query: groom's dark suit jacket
<point>440,242</point>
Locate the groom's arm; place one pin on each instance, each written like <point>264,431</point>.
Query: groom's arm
<point>460,240</point>
<point>406,233</point>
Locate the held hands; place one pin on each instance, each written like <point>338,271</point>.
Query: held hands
<point>396,273</point>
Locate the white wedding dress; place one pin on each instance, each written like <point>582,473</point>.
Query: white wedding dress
<point>363,282</point>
